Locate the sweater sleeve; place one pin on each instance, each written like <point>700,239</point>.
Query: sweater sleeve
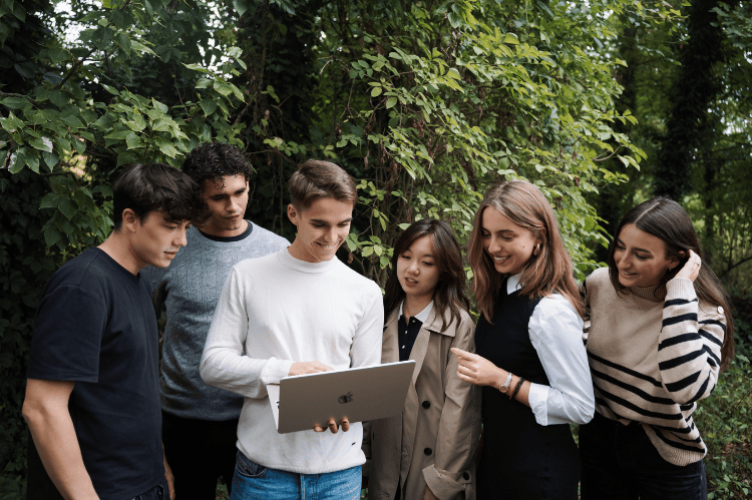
<point>689,351</point>
<point>223,363</point>
<point>459,425</point>
<point>366,346</point>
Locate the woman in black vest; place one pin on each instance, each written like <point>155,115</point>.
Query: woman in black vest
<point>531,359</point>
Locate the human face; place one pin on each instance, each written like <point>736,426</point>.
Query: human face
<point>641,258</point>
<point>227,199</point>
<point>322,228</point>
<point>156,241</point>
<point>417,271</point>
<point>510,246</point>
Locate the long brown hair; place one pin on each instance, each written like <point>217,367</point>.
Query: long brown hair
<point>450,291</point>
<point>667,220</point>
<point>548,272</point>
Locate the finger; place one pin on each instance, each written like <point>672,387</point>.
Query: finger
<point>318,428</point>
<point>345,424</point>
<point>333,426</point>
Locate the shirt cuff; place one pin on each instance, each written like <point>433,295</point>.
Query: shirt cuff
<point>275,370</point>
<point>538,397</point>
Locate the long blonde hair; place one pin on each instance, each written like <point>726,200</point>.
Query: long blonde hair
<point>548,272</point>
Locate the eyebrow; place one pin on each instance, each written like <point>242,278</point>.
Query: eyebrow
<point>321,221</point>
<point>618,240</point>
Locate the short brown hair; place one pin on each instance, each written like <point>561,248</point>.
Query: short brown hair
<point>316,179</point>
<point>155,187</point>
<point>549,272</point>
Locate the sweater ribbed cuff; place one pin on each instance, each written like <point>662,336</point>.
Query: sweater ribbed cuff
<point>680,288</point>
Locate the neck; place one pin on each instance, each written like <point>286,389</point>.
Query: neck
<point>414,304</point>
<point>209,229</point>
<point>119,249</point>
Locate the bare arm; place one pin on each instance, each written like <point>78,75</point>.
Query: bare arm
<point>46,411</point>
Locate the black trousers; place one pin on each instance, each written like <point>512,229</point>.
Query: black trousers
<point>199,452</point>
<point>620,463</point>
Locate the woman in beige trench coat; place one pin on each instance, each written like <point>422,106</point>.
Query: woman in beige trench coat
<point>428,452</point>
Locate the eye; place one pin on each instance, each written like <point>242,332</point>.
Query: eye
<point>429,264</point>
<point>344,224</point>
<point>405,256</point>
<point>317,224</point>
<point>640,257</point>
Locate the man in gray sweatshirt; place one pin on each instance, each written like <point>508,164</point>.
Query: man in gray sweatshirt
<point>200,422</point>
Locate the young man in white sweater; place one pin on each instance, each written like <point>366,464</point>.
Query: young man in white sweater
<point>293,312</point>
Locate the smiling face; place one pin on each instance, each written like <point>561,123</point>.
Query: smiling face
<point>322,229</point>
<point>417,271</point>
<point>641,258</point>
<point>227,199</point>
<point>510,246</point>
<point>153,240</point>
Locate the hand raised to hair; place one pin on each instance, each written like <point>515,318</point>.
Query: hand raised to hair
<point>691,268</point>
<point>477,369</point>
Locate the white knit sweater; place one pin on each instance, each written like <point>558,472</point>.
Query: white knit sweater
<point>277,310</point>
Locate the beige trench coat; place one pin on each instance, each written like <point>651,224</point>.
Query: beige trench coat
<point>434,440</point>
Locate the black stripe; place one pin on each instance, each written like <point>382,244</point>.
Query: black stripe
<point>697,440</point>
<point>712,356</point>
<point>711,337</point>
<point>673,363</point>
<point>677,302</point>
<point>645,413</point>
<point>625,370</point>
<point>713,322</point>
<point>684,337</point>
<point>683,383</point>
<point>634,390</point>
<point>678,319</point>
<point>687,406</point>
<point>702,390</point>
<point>673,430</point>
<point>679,445</point>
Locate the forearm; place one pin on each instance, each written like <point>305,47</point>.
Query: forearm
<point>690,344</point>
<point>55,439</point>
<point>228,369</point>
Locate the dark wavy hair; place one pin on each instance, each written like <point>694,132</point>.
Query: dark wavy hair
<point>665,219</point>
<point>212,161</point>
<point>145,188</point>
<point>450,292</point>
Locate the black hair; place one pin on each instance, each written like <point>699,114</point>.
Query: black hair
<point>450,291</point>
<point>145,188</point>
<point>212,161</point>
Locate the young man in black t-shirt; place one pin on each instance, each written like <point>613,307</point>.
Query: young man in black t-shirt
<point>92,395</point>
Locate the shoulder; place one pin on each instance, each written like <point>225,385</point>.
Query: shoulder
<point>597,278</point>
<point>269,236</point>
<point>356,279</point>
<point>708,313</point>
<point>555,306</point>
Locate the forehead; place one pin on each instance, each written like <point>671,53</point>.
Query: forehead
<point>225,184</point>
<point>422,246</point>
<point>328,209</point>
<point>494,221</point>
<point>631,236</point>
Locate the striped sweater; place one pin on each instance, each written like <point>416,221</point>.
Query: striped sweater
<point>653,354</point>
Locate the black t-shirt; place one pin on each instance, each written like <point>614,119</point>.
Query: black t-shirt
<point>96,326</point>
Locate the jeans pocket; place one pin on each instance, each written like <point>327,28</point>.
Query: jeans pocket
<point>247,468</point>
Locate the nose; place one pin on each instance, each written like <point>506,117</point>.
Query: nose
<point>181,238</point>
<point>232,205</point>
<point>494,245</point>
<point>413,267</point>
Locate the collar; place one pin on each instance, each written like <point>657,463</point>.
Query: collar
<point>291,262</point>
<point>422,316</point>
<point>513,283</point>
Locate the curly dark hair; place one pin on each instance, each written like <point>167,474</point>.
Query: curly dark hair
<point>212,161</point>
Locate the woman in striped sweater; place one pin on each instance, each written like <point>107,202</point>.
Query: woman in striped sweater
<point>660,332</point>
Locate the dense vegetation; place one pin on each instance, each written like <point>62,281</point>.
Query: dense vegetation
<point>427,103</point>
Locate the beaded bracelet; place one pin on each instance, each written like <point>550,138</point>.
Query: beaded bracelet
<point>517,389</point>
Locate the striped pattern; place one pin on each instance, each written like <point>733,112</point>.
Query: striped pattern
<point>652,358</point>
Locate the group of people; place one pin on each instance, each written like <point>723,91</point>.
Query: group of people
<point>626,354</point>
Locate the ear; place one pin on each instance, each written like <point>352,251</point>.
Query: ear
<point>674,261</point>
<point>292,214</point>
<point>131,221</point>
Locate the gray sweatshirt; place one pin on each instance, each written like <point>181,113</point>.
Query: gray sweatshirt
<point>190,288</point>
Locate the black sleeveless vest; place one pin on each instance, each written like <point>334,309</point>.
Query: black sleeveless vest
<point>519,455</point>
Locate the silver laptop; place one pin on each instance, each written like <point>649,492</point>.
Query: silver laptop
<point>360,394</point>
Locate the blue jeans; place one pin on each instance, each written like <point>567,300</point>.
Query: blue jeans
<point>621,463</point>
<point>254,481</point>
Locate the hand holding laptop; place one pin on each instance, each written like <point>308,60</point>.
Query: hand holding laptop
<point>306,368</point>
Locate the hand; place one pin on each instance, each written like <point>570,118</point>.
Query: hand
<point>477,369</point>
<point>428,494</point>
<point>308,367</point>
<point>691,268</point>
<point>332,426</point>
<point>168,476</point>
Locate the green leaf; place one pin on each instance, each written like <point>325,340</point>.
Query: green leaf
<point>511,39</point>
<point>208,106</point>
<point>197,67</point>
<point>391,102</point>
<point>203,83</point>
<point>14,102</point>
<point>376,91</point>
<point>168,149</point>
<point>453,73</point>
<point>19,11</point>
<point>123,40</point>
<point>50,200</point>
<point>51,236</point>
<point>163,108</point>
<point>50,159</point>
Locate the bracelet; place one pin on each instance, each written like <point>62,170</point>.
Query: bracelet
<point>517,389</point>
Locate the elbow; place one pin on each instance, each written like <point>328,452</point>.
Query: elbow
<point>206,370</point>
<point>585,410</point>
<point>33,413</point>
